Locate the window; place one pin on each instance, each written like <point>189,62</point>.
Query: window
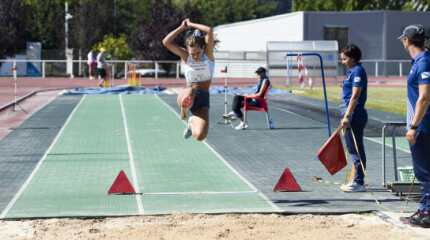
<point>341,34</point>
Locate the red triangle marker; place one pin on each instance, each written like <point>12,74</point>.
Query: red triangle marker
<point>121,185</point>
<point>287,183</point>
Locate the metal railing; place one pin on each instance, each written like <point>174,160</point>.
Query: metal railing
<point>72,68</point>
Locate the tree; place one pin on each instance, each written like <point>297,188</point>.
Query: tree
<point>47,22</point>
<point>116,48</point>
<point>349,5</point>
<point>417,5</point>
<point>14,29</point>
<point>164,17</point>
<point>130,13</point>
<point>92,20</point>
<point>218,12</point>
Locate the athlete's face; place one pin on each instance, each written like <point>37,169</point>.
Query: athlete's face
<point>405,42</point>
<point>347,61</point>
<point>195,52</point>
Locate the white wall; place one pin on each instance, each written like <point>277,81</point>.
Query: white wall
<point>251,36</point>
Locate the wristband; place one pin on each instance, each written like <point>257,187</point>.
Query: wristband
<point>413,127</point>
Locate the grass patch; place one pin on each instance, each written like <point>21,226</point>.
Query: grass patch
<point>385,99</point>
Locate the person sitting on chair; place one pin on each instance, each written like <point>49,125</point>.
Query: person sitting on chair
<point>238,101</point>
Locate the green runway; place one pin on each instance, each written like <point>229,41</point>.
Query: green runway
<point>401,142</point>
<point>174,175</point>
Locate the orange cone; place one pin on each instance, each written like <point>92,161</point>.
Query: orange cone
<point>287,183</point>
<point>121,185</point>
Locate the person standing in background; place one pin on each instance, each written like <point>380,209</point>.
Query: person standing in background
<point>101,67</point>
<point>418,118</point>
<point>354,115</point>
<point>91,64</point>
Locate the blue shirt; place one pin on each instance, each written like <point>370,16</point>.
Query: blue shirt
<point>420,74</point>
<point>356,77</point>
<point>260,83</point>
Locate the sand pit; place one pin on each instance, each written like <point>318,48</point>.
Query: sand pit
<point>203,226</point>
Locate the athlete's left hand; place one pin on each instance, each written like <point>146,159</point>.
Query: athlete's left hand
<point>410,135</point>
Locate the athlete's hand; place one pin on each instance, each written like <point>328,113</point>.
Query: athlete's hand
<point>410,135</point>
<point>185,24</point>
<point>344,122</point>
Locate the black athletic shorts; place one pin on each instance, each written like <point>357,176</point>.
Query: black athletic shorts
<point>101,72</point>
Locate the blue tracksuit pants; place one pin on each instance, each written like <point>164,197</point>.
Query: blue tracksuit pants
<point>421,162</point>
<point>358,120</point>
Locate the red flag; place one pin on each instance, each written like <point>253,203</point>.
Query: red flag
<point>332,155</point>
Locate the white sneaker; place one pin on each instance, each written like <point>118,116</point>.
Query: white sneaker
<point>242,125</point>
<point>187,132</point>
<point>230,116</point>
<point>354,187</point>
<point>347,185</point>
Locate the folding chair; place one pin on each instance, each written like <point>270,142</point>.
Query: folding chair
<point>263,104</point>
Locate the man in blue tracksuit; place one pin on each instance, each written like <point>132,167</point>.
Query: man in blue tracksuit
<point>418,118</point>
<point>354,115</point>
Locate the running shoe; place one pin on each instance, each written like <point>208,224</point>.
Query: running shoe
<point>242,125</point>
<point>185,106</point>
<point>415,216</point>
<point>354,187</point>
<point>230,116</point>
<point>187,131</point>
<point>425,221</point>
<point>415,219</point>
<point>346,185</point>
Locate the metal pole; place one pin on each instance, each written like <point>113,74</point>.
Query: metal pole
<point>156,70</point>
<point>177,70</point>
<point>288,71</point>
<point>67,28</point>
<point>400,69</point>
<point>394,152</point>
<point>323,79</point>
<point>125,70</point>
<point>383,155</point>
<point>376,69</point>
<point>43,69</point>
<point>114,17</point>
<point>16,85</point>
<point>225,94</point>
<point>113,75</point>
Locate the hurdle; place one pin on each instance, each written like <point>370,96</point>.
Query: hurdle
<point>107,80</point>
<point>133,77</point>
<point>323,80</point>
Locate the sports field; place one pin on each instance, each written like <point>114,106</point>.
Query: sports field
<point>67,155</point>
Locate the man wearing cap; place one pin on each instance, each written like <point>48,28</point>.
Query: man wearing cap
<point>238,100</point>
<point>418,118</point>
<point>101,67</point>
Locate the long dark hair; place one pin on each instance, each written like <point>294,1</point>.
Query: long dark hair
<point>196,39</point>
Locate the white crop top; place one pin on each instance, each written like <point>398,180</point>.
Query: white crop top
<point>200,71</point>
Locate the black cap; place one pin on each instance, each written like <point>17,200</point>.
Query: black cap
<point>413,31</point>
<point>260,69</point>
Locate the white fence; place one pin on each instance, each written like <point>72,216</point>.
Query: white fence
<point>236,68</point>
<point>59,68</point>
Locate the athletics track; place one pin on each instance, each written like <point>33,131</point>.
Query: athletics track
<point>63,159</point>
